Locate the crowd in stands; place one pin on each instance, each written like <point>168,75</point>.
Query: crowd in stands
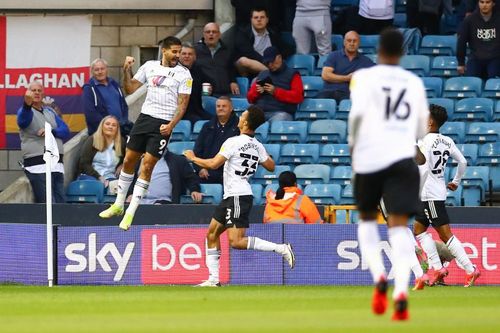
<point>316,90</point>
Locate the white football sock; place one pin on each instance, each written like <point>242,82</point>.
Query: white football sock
<point>212,261</point>
<point>414,263</point>
<point>255,243</point>
<point>140,189</point>
<point>402,249</point>
<point>457,249</point>
<point>124,182</point>
<point>429,247</point>
<point>369,239</point>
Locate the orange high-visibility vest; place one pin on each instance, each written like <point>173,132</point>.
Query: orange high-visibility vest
<point>293,208</point>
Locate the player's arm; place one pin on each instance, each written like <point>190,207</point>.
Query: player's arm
<point>462,165</point>
<point>182,103</point>
<point>208,163</point>
<point>130,85</point>
<point>419,157</point>
<point>269,164</point>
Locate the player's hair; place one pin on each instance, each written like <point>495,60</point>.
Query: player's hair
<point>226,98</point>
<point>100,141</point>
<point>169,41</point>
<point>391,42</point>
<point>259,9</point>
<point>439,114</point>
<point>286,179</point>
<point>255,117</point>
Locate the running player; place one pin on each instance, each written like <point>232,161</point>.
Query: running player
<point>240,156</point>
<point>168,89</point>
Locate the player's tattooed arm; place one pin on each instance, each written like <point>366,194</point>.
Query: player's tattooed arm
<point>130,85</point>
<point>182,102</point>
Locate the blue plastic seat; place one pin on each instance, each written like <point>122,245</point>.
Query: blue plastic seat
<point>461,87</point>
<point>347,197</point>
<point>482,132</point>
<point>267,188</point>
<point>433,86</point>
<point>372,57</point>
<point>319,65</point>
<point>496,114</point>
<point>212,194</point>
<point>444,66</point>
<point>262,132</point>
<point>492,88</point>
<point>197,129</point>
<point>85,191</point>
<point>344,109</point>
<point>338,41</point>
<point>243,84</point>
<point>454,198</point>
<point>178,147</point>
<point>287,131</point>
<point>312,85</point>
<point>327,131</point>
<point>182,131</point>
<point>240,105</point>
<point>312,174</point>
<point>489,154</point>
<point>208,103</point>
<point>264,177</point>
<point>273,149</point>
<point>323,194</point>
<point>400,20</point>
<point>418,64</point>
<point>455,130</point>
<point>469,150</point>
<point>303,63</point>
<point>368,44</point>
<point>292,153</point>
<point>316,109</point>
<point>495,177</point>
<point>257,194</point>
<point>341,175</point>
<point>337,154</point>
<point>473,109</point>
<point>438,45</point>
<point>475,179</point>
<point>446,103</point>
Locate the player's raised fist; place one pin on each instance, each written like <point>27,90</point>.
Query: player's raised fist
<point>129,61</point>
<point>28,97</point>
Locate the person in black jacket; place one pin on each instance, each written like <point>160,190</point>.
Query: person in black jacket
<point>172,177</point>
<point>275,10</point>
<point>213,134</point>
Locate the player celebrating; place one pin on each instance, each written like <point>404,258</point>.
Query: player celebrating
<point>389,113</point>
<point>168,90</point>
<point>438,148</point>
<point>240,156</point>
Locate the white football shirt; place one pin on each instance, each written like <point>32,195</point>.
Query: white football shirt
<point>164,86</point>
<point>243,154</point>
<point>389,112</point>
<point>437,149</point>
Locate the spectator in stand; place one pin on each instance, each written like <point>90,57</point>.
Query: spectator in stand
<point>274,9</point>
<point>216,61</point>
<point>172,177</point>
<point>426,14</point>
<point>288,204</point>
<point>102,96</point>
<point>31,118</point>
<point>478,31</point>
<point>374,16</point>
<point>277,90</point>
<point>339,67</point>
<point>194,111</point>
<point>213,134</point>
<point>312,19</point>
<point>102,153</point>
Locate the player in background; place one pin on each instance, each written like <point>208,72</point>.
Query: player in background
<point>437,149</point>
<point>389,113</point>
<point>240,156</point>
<point>168,89</point>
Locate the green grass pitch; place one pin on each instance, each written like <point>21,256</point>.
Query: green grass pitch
<point>238,309</point>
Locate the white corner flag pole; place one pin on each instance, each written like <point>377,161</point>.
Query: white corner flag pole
<point>48,156</point>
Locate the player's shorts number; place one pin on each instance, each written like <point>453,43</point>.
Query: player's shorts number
<point>163,144</point>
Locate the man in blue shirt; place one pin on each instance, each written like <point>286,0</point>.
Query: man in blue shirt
<point>339,66</point>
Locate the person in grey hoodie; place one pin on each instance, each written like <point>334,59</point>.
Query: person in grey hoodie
<point>312,17</point>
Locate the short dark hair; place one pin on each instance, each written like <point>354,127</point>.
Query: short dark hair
<point>391,42</point>
<point>258,9</point>
<point>225,98</point>
<point>438,114</point>
<point>255,117</point>
<point>169,41</point>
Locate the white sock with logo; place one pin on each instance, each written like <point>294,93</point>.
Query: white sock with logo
<point>430,249</point>
<point>124,182</point>
<point>402,249</point>
<point>212,262</point>
<point>255,243</point>
<point>457,249</point>
<point>140,189</point>
<point>369,244</point>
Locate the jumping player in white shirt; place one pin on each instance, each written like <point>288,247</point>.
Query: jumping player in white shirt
<point>240,156</point>
<point>168,89</point>
<point>437,149</point>
<point>389,113</point>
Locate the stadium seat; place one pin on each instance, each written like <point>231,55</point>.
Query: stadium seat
<point>212,194</point>
<point>323,194</point>
<point>264,177</point>
<point>489,154</point>
<point>267,188</point>
<point>433,86</point>
<point>319,65</point>
<point>338,41</point>
<point>464,86</point>
<point>400,6</point>
<point>197,129</point>
<point>240,104</point>
<point>303,63</point>
<point>327,131</point>
<point>316,109</point>
<point>208,103</point>
<point>292,153</point>
<point>400,20</point>
<point>496,114</point>
<point>455,130</point>
<point>454,198</point>
<point>257,194</point>
<point>469,150</point>
<point>341,175</point>
<point>262,132</point>
<point>475,177</point>
<point>182,131</point>
<point>372,57</point>
<point>243,85</point>
<point>273,149</point>
<point>337,154</point>
<point>495,177</point>
<point>444,66</point>
<point>344,108</point>
<point>417,64</point>
<point>178,147</point>
<point>85,191</point>
<point>312,85</point>
<point>347,197</point>
<point>312,174</point>
<point>368,44</point>
<point>492,88</point>
<point>438,45</point>
<point>288,131</point>
<point>473,109</point>
<point>446,103</point>
<point>482,132</point>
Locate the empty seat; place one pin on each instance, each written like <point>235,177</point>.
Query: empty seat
<point>469,150</point>
<point>181,131</point>
<point>418,64</point>
<point>240,104</point>
<point>455,130</point>
<point>321,61</point>
<point>475,178</point>
<point>492,88</point>
<point>495,177</point>
<point>489,154</point>
<point>179,146</point>
<point>312,85</point>
<point>323,194</point>
<point>446,103</point>
<point>257,194</point>
<point>445,66</point>
<point>312,174</point>
<point>368,44</point>
<point>212,194</point>
<point>454,198</point>
<point>303,63</point>
<point>438,45</point>
<point>341,175</point>
<point>337,154</point>
<point>197,129</point>
<point>460,87</point>
<point>261,132</point>
<point>482,132</point>
<point>243,85</point>
<point>85,191</point>
<point>292,153</point>
<point>316,109</point>
<point>208,103</point>
<point>496,113</point>
<point>327,131</point>
<point>264,177</point>
<point>273,149</point>
<point>433,86</point>
<point>347,197</point>
<point>344,108</point>
<point>338,41</point>
<point>473,109</point>
<point>288,131</point>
